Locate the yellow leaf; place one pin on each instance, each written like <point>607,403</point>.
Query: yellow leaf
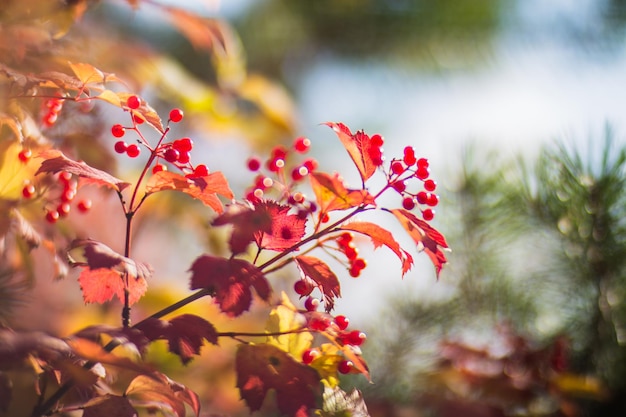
<point>580,386</point>
<point>13,172</point>
<point>283,318</point>
<point>110,97</point>
<point>87,73</point>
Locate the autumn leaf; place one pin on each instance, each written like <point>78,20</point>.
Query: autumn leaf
<point>105,270</point>
<point>284,318</point>
<point>121,335</point>
<point>55,161</point>
<point>204,189</point>
<point>425,236</point>
<point>340,403</point>
<point>87,73</point>
<point>247,222</point>
<point>264,367</point>
<point>381,236</point>
<point>229,281</point>
<point>357,360</point>
<point>109,405</point>
<point>323,276</point>
<point>358,146</point>
<point>286,230</point>
<point>15,347</point>
<point>185,334</point>
<point>158,390</point>
<point>331,194</point>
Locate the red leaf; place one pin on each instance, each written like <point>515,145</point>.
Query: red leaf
<point>247,222</point>
<point>157,389</point>
<point>229,280</point>
<point>264,367</point>
<point>323,276</point>
<point>109,405</point>
<point>381,236</point>
<point>106,273</point>
<point>332,194</point>
<point>185,334</point>
<point>286,231</point>
<point>358,146</point>
<point>425,236</point>
<point>204,189</point>
<point>56,161</point>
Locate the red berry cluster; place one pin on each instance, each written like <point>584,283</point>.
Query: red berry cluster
<point>337,327</point>
<point>356,264</point>
<point>51,109</point>
<point>61,205</point>
<point>410,168</point>
<point>281,177</point>
<point>375,150</point>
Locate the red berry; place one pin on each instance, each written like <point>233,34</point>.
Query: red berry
<point>65,177</point>
<point>433,199</point>
<point>279,152</point>
<point>302,287</point>
<point>171,155</point>
<point>422,197</point>
<point>184,157</point>
<point>52,216</point>
<point>359,263</point>
<point>133,102</point>
<point>28,191</point>
<point>302,144</point>
<point>430,185</point>
<point>399,186</point>
<point>275,164</point>
<point>408,203</point>
<point>158,168</point>
<point>118,130</point>
<point>351,252</point>
<point>254,163</point>
<point>133,150</point>
<point>422,163</point>
<point>64,209</point>
<point>120,146</point>
<point>345,366</point>
<point>397,167</point>
<point>342,322</point>
<point>355,338</point>
<point>183,145</point>
<point>296,174</point>
<point>50,118</point>
<point>377,140</point>
<point>309,356</point>
<point>344,239</point>
<point>354,272</point>
<point>25,155</point>
<point>310,164</point>
<point>409,156</point>
<point>319,324</point>
<point>428,214</point>
<point>176,115</point>
<point>84,205</point>
<point>68,195</point>
<point>201,171</point>
<point>138,119</point>
<point>422,173</point>
<point>311,304</point>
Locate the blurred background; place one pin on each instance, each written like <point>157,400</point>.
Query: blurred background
<point>519,108</point>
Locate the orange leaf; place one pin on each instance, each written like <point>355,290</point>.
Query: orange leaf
<point>331,194</point>
<point>87,73</point>
<point>323,276</point>
<point>425,236</point>
<point>358,146</point>
<point>381,236</point>
<point>55,161</point>
<point>157,389</point>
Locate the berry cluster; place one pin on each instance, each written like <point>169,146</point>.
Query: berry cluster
<point>375,150</point>
<point>356,264</point>
<point>405,170</point>
<point>337,327</point>
<point>281,177</point>
<point>50,111</point>
<point>61,205</point>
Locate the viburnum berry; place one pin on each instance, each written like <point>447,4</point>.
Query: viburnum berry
<point>133,102</point>
<point>430,185</point>
<point>376,155</point>
<point>399,186</point>
<point>422,197</point>
<point>25,155</point>
<point>171,155</point>
<point>84,205</point>
<point>184,157</point>
<point>65,178</point>
<point>310,164</point>
<point>311,304</point>
<point>409,156</point>
<point>319,324</point>
<point>359,263</point>
<point>302,287</point>
<point>279,152</point>
<point>253,163</point>
<point>158,168</point>
<point>28,191</point>
<point>63,209</point>
<point>422,173</point>
<point>118,130</point>
<point>120,146</point>
<point>342,322</point>
<point>351,252</point>
<point>50,119</point>
<point>201,171</point>
<point>52,216</point>
<point>377,140</point>
<point>397,167</point>
<point>345,366</point>
<point>302,144</point>
<point>428,214</point>
<point>133,150</point>
<point>183,144</point>
<point>355,338</point>
<point>433,199</point>
<point>309,356</point>
<point>138,119</point>
<point>408,203</point>
<point>422,163</point>
<point>68,195</point>
<point>354,272</point>
<point>176,115</point>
